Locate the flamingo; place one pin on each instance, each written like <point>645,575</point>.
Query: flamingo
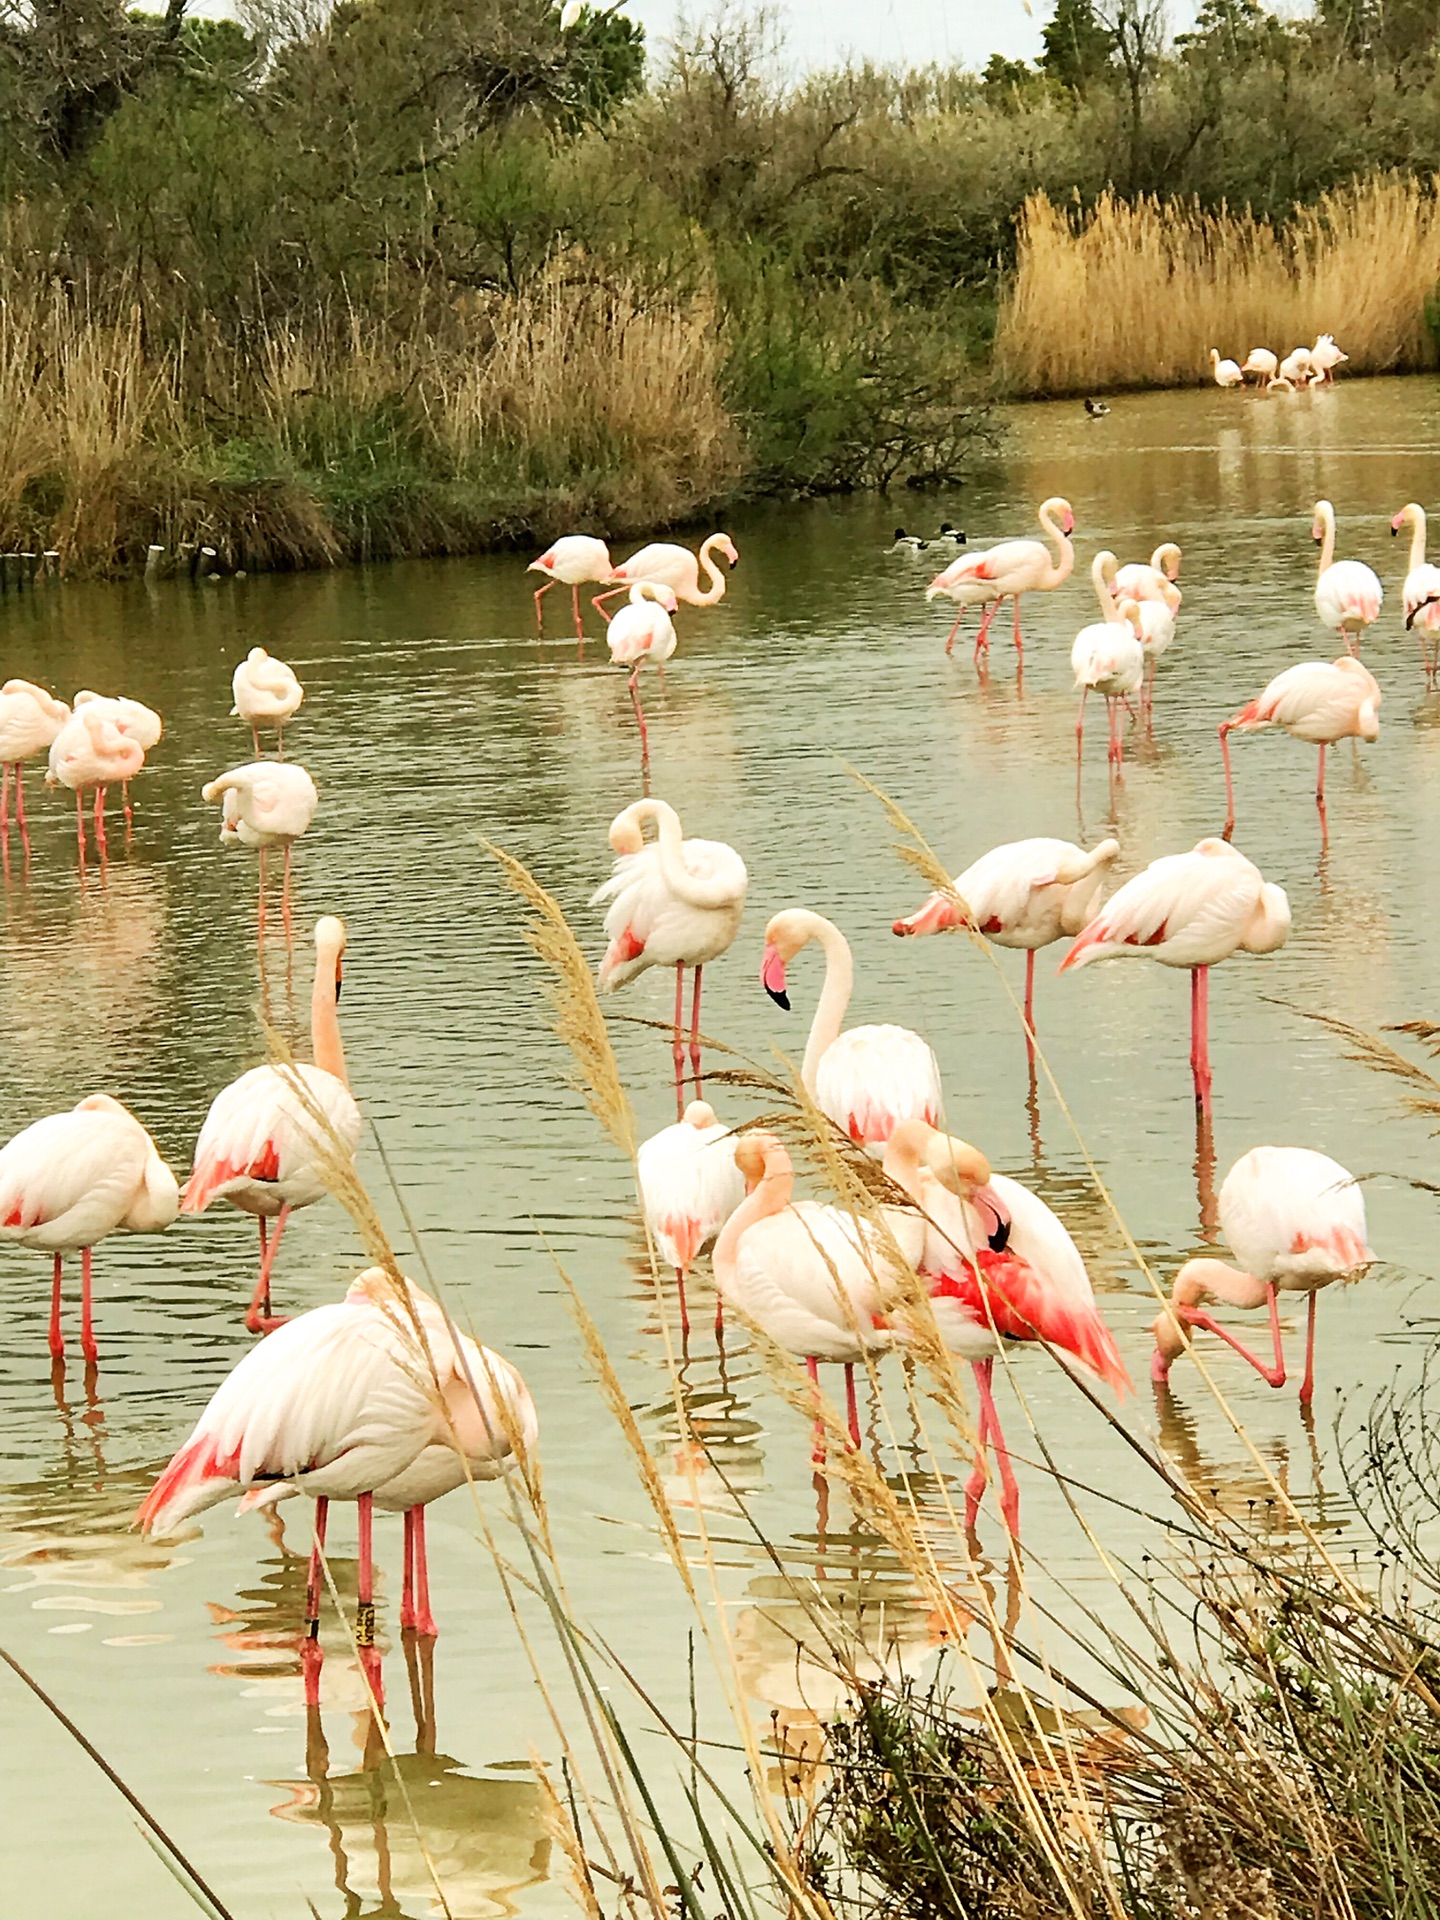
<point>71,1179</point>
<point>641,634</point>
<point>375,1399</point>
<point>1421,592</point>
<point>1348,594</point>
<point>271,1136</point>
<point>1108,657</point>
<point>1156,580</point>
<point>1190,910</point>
<point>867,1080</point>
<point>1325,356</point>
<point>999,1267</point>
<point>1226,373</point>
<point>689,1187</point>
<point>1295,1221</point>
<point>267,694</point>
<point>573,560</point>
<point>134,719</point>
<point>673,903</point>
<point>1027,893</point>
<point>90,753</point>
<point>267,803</point>
<point>1319,701</point>
<point>1007,571</point>
<point>1296,367</point>
<point>30,718</point>
<point>1261,362</point>
<point>677,568</point>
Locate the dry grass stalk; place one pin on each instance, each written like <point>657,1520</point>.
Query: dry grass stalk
<point>1137,292</point>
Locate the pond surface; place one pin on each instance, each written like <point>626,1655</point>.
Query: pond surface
<point>433,716</point>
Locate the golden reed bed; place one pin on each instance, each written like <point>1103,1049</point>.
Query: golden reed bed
<point>1136,294</point>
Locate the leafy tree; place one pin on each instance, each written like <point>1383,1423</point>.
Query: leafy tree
<point>1077,47</point>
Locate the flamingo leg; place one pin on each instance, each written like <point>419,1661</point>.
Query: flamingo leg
<point>980,1479</point>
<point>1030,1004</point>
<point>255,739</point>
<point>57,1338</point>
<point>279,739</point>
<point>258,1318</point>
<point>365,1599</point>
<point>695,1034</point>
<point>1019,643</point>
<point>540,593</point>
<point>677,1045</point>
<point>817,1448</point>
<point>80,824</point>
<point>5,798</point>
<point>600,598</point>
<point>575,604</point>
<point>285,895</point>
<point>633,683</point>
<point>1320,799</point>
<point>1273,1375</point>
<point>852,1410</point>
<point>100,821</point>
<point>1229,781</point>
<point>125,803</point>
<point>312,1584</point>
<point>1080,727</point>
<point>982,639</point>
<point>20,805</point>
<point>1307,1385</point>
<point>261,919</point>
<point>424,1619</point>
<point>684,1307</point>
<point>87,1307</point>
<point>1200,1035</point>
<point>1009,1486</point>
<point>955,632</point>
<point>407,1592</point>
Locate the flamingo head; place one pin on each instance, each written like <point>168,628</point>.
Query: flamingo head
<point>727,546</point>
<point>965,1172</point>
<point>663,596</point>
<point>786,934</point>
<point>939,913</point>
<point>330,940</point>
<point>699,1114</point>
<point>756,1156</point>
<point>772,976</point>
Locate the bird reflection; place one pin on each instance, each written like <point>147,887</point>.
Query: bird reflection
<point>1239,1487</point>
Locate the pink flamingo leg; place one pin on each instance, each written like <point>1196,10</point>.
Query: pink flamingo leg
<point>1229,780</point>
<point>280,740</point>
<point>1274,1375</point>
<point>982,639</point>
<point>1080,728</point>
<point>57,1338</point>
<point>1030,1004</point>
<point>261,919</point>
<point>80,824</point>
<point>677,1047</point>
<point>610,593</point>
<point>20,805</point>
<point>407,1593</point>
<point>365,1579</point>
<point>424,1619</point>
<point>87,1307</point>
<point>579,623</point>
<point>5,799</point>
<point>285,896</point>
<point>980,1479</point>
<point>695,1034</point>
<point>684,1308</point>
<point>125,803</point>
<point>1019,643</point>
<point>100,821</point>
<point>311,1657</point>
<point>955,631</point>
<point>1009,1487</point>
<point>1320,800</point>
<point>540,593</point>
<point>1307,1385</point>
<point>633,683</point>
<point>258,1318</point>
<point>1200,1035</point>
<point>817,1448</point>
<point>852,1410</point>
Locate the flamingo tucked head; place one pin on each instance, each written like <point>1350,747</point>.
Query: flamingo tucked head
<point>938,913</point>
<point>752,1153</point>
<point>699,1114</point>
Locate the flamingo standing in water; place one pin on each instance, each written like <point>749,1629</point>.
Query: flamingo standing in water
<point>1027,893</point>
<point>374,1399</point>
<point>1262,363</point>
<point>1190,910</point>
<point>999,1267</point>
<point>1007,571</point>
<point>1421,591</point>
<point>867,1080</point>
<point>134,719</point>
<point>1325,356</point>
<point>677,568</point>
<point>30,718</point>
<point>1108,657</point>
<point>271,1136</point>
<point>573,561</point>
<point>268,803</point>
<point>673,903</point>
<point>1225,373</point>
<point>1295,1221</point>
<point>267,694</point>
<point>1154,579</point>
<point>689,1187</point>
<point>1295,368</point>
<point>89,754</point>
<point>1348,594</point>
<point>71,1179</point>
<point>640,635</point>
<point>1320,701</point>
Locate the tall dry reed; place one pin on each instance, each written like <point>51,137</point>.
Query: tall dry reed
<point>1136,293</point>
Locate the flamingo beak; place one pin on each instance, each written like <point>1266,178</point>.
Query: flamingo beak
<point>935,916</point>
<point>994,1216</point>
<point>339,982</point>
<point>772,977</point>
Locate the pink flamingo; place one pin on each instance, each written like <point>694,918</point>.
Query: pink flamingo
<point>677,568</point>
<point>1421,591</point>
<point>1295,1221</point>
<point>1155,580</point>
<point>90,753</point>
<point>1348,594</point>
<point>272,1136</point>
<point>673,903</point>
<point>1108,657</point>
<point>1325,356</point>
<point>1007,571</point>
<point>375,1399</point>
<point>867,1080</point>
<point>134,719</point>
<point>1000,1267</point>
<point>571,562</point>
<point>641,634</point>
<point>71,1179</point>
<point>267,694</point>
<point>1189,910</point>
<point>1319,701</point>
<point>1027,893</point>
<point>689,1187</point>
<point>268,803</point>
<point>30,718</point>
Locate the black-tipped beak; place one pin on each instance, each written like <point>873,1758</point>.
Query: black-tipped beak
<point>1000,1238</point>
<point>1393,532</point>
<point>781,999</point>
<point>339,983</point>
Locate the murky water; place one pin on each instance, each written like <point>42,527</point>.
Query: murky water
<point>432,715</point>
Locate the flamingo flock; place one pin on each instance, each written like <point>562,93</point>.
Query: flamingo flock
<point>1302,367</point>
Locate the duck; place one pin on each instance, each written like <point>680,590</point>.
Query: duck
<point>911,542</point>
<point>1096,409</point>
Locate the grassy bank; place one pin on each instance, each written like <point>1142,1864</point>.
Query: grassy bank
<point>1134,294</point>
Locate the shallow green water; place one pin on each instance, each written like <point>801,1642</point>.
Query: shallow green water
<point>433,715</point>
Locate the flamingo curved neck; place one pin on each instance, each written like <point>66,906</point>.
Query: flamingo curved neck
<point>715,590</point>
<point>1417,538</point>
<point>1233,1285</point>
<point>1325,514</point>
<point>1064,552</point>
<point>686,886</point>
<point>1102,575</point>
<point>325,1040</point>
<point>770,1195</point>
<point>834,998</point>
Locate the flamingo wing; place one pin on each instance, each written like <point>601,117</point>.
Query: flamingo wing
<point>71,1173</point>
<point>872,1078</point>
<point>260,1130</point>
<point>1291,1213</point>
